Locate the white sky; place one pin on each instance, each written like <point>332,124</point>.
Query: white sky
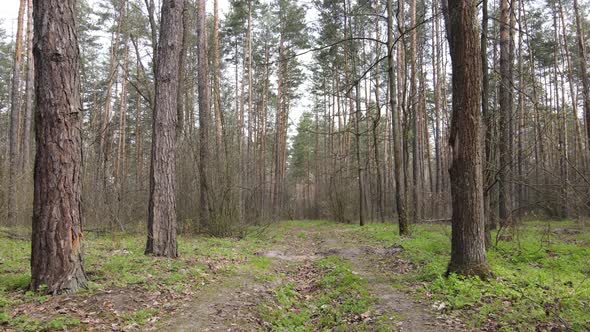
<point>9,13</point>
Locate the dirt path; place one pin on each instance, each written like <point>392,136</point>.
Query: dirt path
<point>405,312</point>
<point>231,304</point>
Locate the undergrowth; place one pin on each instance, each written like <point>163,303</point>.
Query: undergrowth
<point>117,262</point>
<point>541,276</point>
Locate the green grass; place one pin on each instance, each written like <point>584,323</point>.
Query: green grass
<point>541,279</point>
<point>340,295</point>
<point>118,261</point>
<point>139,317</point>
<point>24,323</point>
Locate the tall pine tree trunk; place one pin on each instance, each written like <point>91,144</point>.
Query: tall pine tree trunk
<point>400,193</point>
<point>488,168</point>
<point>467,243</point>
<point>505,144</point>
<point>27,118</point>
<point>161,240</point>
<point>204,116</point>
<point>414,106</point>
<point>14,117</point>
<point>56,256</point>
<point>219,133</point>
<point>583,68</point>
<point>376,121</point>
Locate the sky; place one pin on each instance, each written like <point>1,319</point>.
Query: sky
<point>9,14</point>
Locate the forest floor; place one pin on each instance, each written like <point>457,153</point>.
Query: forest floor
<point>313,275</point>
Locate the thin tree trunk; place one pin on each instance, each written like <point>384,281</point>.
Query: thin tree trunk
<point>376,121</point>
<point>27,118</point>
<point>204,116</point>
<point>14,117</point>
<point>103,142</point>
<point>416,153</point>
<point>520,125</point>
<point>182,72</point>
<point>358,155</point>
<point>265,95</point>
<point>561,130</point>
<point>219,133</point>
<point>437,104</point>
<point>122,116</point>
<point>151,7</point>
<point>248,55</point>
<point>277,189</point>
<point>505,146</point>
<point>396,142</point>
<point>583,69</point>
<point>138,139</point>
<point>488,168</point>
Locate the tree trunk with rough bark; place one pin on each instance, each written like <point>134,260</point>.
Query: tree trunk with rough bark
<point>56,256</point>
<point>467,243</point>
<point>161,240</point>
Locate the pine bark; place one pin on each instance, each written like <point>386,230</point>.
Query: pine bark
<point>151,8</point>
<point>488,119</point>
<point>219,133</point>
<point>400,193</point>
<point>357,136</point>
<point>204,116</point>
<point>277,201</point>
<point>161,240</point>
<point>56,256</point>
<point>103,147</point>
<point>182,69</point>
<point>505,143</point>
<point>467,243</point>
<point>583,69</point>
<point>414,106</point>
<point>121,139</point>
<point>376,121</point>
<point>27,118</point>
<point>437,103</point>
<point>14,117</point>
